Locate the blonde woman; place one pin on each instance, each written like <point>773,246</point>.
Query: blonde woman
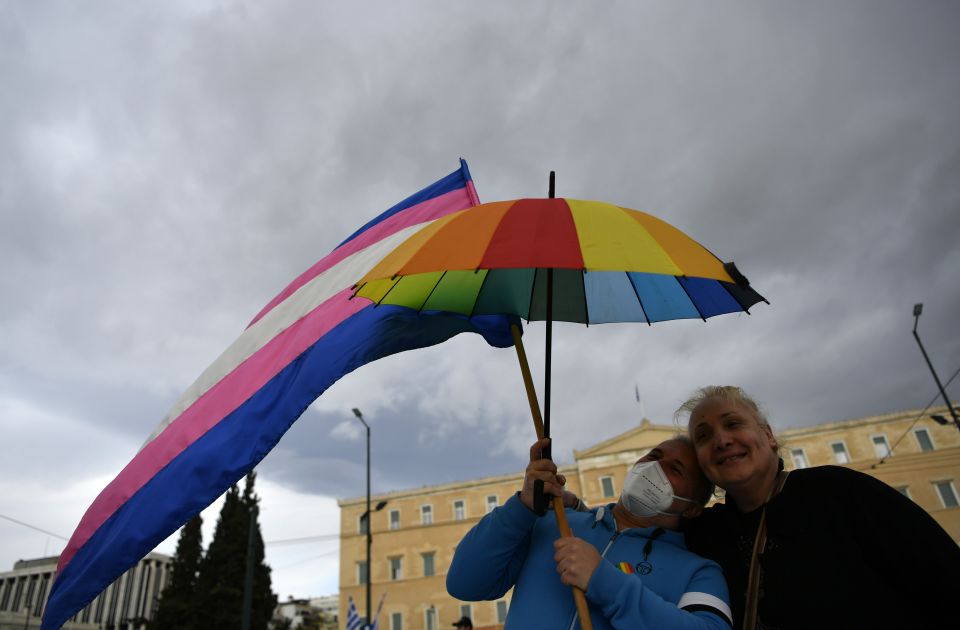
<point>822,547</point>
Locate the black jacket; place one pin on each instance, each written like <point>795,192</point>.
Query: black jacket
<point>844,550</point>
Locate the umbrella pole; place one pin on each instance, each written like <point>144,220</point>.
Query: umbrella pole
<point>540,503</point>
<point>578,597</point>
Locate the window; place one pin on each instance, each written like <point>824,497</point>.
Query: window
<point>502,611</point>
<point>396,621</point>
<point>426,514</point>
<point>904,490</point>
<point>18,594</point>
<point>428,564</point>
<point>880,446</point>
<point>799,458</point>
<point>924,440</point>
<point>491,502</point>
<point>840,452</point>
<point>396,568</point>
<point>394,519</point>
<point>948,494</point>
<point>466,610</point>
<point>606,486</point>
<point>362,524</point>
<point>361,573</point>
<point>430,619</point>
<point>459,512</point>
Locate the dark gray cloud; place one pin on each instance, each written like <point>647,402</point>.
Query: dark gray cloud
<point>164,171</point>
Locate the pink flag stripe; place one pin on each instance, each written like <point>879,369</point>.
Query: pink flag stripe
<point>210,409</point>
<point>420,213</point>
<point>291,310</point>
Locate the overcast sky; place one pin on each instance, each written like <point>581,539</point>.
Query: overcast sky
<point>166,168</point>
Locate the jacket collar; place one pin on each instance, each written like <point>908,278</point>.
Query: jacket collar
<point>604,515</point>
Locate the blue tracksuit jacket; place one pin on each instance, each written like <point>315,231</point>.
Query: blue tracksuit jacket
<point>512,547</point>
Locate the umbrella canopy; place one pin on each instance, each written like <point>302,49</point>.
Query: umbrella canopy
<point>608,264</point>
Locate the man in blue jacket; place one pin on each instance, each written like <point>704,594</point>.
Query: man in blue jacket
<point>629,557</point>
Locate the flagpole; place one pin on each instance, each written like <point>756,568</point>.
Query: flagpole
<point>367,514</point>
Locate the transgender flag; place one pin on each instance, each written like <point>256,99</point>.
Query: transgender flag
<point>302,342</point>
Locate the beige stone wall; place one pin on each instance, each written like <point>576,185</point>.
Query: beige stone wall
<point>414,593</point>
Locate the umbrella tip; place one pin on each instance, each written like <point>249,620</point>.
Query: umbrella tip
<point>553,180</point>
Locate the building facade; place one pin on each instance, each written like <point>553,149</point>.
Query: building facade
<point>417,531</point>
<point>127,604</point>
<point>327,605</point>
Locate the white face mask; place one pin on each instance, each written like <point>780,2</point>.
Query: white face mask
<point>647,490</point>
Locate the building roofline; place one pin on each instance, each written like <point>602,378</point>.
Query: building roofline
<point>645,425</point>
<point>446,487</point>
<point>908,414</point>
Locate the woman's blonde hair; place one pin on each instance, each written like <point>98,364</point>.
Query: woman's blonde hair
<point>729,392</point>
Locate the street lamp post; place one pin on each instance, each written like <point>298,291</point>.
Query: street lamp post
<point>917,310</point>
<point>365,517</point>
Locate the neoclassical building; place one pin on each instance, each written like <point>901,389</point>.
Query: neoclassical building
<point>417,531</point>
<point>124,605</point>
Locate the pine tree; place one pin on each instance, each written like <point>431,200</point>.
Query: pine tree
<point>264,600</point>
<point>223,571</point>
<point>177,608</point>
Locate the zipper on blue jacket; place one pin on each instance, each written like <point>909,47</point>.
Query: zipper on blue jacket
<point>603,554</point>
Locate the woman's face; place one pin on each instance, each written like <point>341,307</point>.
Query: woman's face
<point>733,448</point>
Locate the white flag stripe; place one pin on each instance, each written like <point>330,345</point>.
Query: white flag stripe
<point>298,304</point>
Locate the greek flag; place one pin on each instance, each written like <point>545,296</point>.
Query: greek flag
<point>353,619</point>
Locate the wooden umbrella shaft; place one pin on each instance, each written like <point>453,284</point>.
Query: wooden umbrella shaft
<point>578,596</point>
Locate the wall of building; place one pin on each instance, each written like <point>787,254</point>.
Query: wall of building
<point>413,593</point>
<point>124,605</point>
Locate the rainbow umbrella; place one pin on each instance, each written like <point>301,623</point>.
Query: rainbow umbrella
<point>608,264</point>
<point>557,259</point>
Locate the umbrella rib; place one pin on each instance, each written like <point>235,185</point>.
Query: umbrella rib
<point>427,299</point>
<point>639,301</point>
<point>356,289</point>
<point>533,291</point>
<point>384,296</point>
<point>690,297</point>
<point>586,305</point>
<point>483,283</point>
<point>735,298</point>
